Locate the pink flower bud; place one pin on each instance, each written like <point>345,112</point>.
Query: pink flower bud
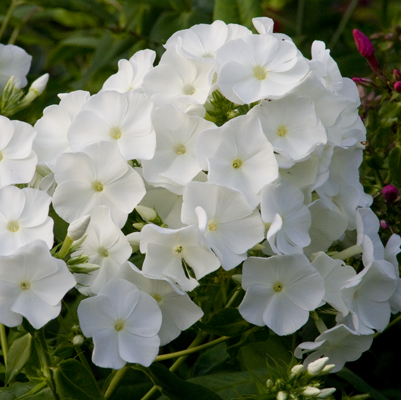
<point>383,224</point>
<point>397,74</point>
<point>363,44</point>
<point>390,193</point>
<point>397,87</point>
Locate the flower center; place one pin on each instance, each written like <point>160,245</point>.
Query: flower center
<point>356,294</point>
<point>212,225</point>
<point>278,287</point>
<point>189,90</point>
<point>157,297</point>
<point>25,285</point>
<point>13,226</point>
<point>237,163</point>
<point>119,325</point>
<point>103,252</point>
<point>260,72</point>
<point>115,133</point>
<point>178,250</point>
<point>281,131</point>
<point>1,156</point>
<point>97,186</point>
<point>180,149</point>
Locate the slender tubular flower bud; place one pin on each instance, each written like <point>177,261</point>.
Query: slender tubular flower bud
<point>78,228</point>
<point>366,49</point>
<point>315,368</point>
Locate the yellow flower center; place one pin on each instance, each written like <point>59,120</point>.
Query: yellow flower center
<point>103,252</point>
<point>212,225</point>
<point>1,156</point>
<point>119,325</point>
<point>281,131</point>
<point>189,90</point>
<point>278,287</point>
<point>237,163</point>
<point>180,149</point>
<point>97,186</point>
<point>115,133</point>
<point>260,73</point>
<point>157,297</point>
<point>25,285</point>
<point>178,250</point>
<point>13,226</point>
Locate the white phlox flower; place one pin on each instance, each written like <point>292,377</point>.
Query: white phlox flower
<point>280,292</point>
<point>179,312</point>
<point>24,218</point>
<point>203,40</point>
<point>107,247</point>
<point>17,159</point>
<point>98,175</point>
<point>255,67</point>
<point>340,343</point>
<point>239,156</point>
<point>15,62</point>
<point>176,256</point>
<point>123,119</point>
<point>32,285</point>
<point>51,139</point>
<point>291,125</point>
<point>123,322</point>
<point>179,81</point>
<point>228,224</point>
<point>287,218</point>
<point>131,72</point>
<point>175,159</point>
<point>335,274</point>
<point>327,226</point>
<point>367,296</point>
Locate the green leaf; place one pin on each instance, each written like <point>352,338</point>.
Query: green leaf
<point>229,385</point>
<point>225,322</point>
<point>175,388</point>
<point>16,390</point>
<point>64,350</point>
<point>227,11</point>
<point>249,9</point>
<point>359,384</point>
<point>395,165</point>
<point>210,359</point>
<point>45,394</point>
<point>18,356</point>
<point>74,381</point>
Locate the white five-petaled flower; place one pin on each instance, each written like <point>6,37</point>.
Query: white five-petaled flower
<point>123,322</point>
<point>280,292</point>
<point>98,175</point>
<point>32,285</point>
<point>24,218</point>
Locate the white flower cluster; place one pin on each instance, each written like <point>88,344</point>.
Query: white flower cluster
<point>280,174</point>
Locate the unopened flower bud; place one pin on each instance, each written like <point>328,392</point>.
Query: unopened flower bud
<point>328,368</point>
<point>148,214</point>
<point>311,391</point>
<point>39,85</point>
<point>390,193</point>
<point>138,225</point>
<point>134,240</point>
<point>315,368</point>
<point>237,278</point>
<point>397,75</point>
<point>78,340</point>
<point>78,228</point>
<point>281,396</point>
<point>397,86</point>
<point>383,224</point>
<point>324,393</point>
<point>269,383</point>
<point>296,370</point>
<point>363,44</point>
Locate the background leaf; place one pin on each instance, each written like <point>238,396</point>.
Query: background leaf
<point>18,356</point>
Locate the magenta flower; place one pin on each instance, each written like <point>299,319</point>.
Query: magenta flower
<point>397,87</point>
<point>390,192</point>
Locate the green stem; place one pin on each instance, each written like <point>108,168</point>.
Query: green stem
<point>300,17</point>
<point>192,350</point>
<point>4,345</point>
<point>65,247</point>
<point>199,338</point>
<point>393,322</point>
<point>343,23</point>
<point>115,382</point>
<point>233,297</point>
<point>6,19</point>
<point>84,361</point>
<point>347,253</point>
<point>42,350</point>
